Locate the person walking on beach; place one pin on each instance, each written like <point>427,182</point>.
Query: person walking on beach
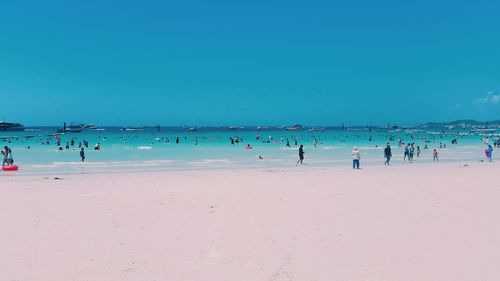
<point>387,155</point>
<point>418,151</point>
<point>435,155</point>
<point>407,152</point>
<point>356,156</point>
<point>489,153</point>
<point>82,155</point>
<point>301,155</point>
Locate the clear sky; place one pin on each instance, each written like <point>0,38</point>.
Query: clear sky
<point>249,62</point>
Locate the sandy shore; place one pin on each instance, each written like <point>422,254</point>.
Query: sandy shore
<point>407,222</point>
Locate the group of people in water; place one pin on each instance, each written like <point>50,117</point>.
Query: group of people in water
<point>356,155</point>
<point>408,154</point>
<point>410,151</point>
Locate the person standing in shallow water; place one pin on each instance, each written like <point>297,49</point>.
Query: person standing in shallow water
<point>407,152</point>
<point>435,155</point>
<point>387,155</point>
<point>82,155</point>
<point>5,154</point>
<point>411,152</point>
<point>301,155</point>
<point>356,156</point>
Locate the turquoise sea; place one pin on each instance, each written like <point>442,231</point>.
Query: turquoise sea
<point>35,150</point>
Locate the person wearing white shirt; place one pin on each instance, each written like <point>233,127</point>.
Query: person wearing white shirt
<point>356,156</point>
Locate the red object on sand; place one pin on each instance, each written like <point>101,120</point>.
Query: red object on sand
<point>10,168</point>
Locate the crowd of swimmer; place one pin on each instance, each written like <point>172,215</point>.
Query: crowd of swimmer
<point>411,149</point>
<point>82,145</point>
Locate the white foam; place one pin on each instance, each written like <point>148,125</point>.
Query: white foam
<point>144,147</point>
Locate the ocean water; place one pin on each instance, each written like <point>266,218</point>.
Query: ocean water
<point>150,149</point>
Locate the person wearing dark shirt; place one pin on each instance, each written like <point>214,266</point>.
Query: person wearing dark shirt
<point>301,155</point>
<point>387,155</point>
<point>82,155</point>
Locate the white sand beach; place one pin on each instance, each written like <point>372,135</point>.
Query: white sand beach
<point>437,221</point>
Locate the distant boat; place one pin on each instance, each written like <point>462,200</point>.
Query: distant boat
<point>74,128</point>
<point>139,128</point>
<point>79,127</point>
<point>6,127</point>
<point>91,127</point>
<point>263,128</point>
<point>295,127</point>
<point>358,129</point>
<point>132,128</point>
<point>316,129</point>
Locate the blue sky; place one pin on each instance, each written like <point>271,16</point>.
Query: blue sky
<point>249,63</point>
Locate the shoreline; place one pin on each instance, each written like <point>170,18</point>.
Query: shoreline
<point>131,167</point>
